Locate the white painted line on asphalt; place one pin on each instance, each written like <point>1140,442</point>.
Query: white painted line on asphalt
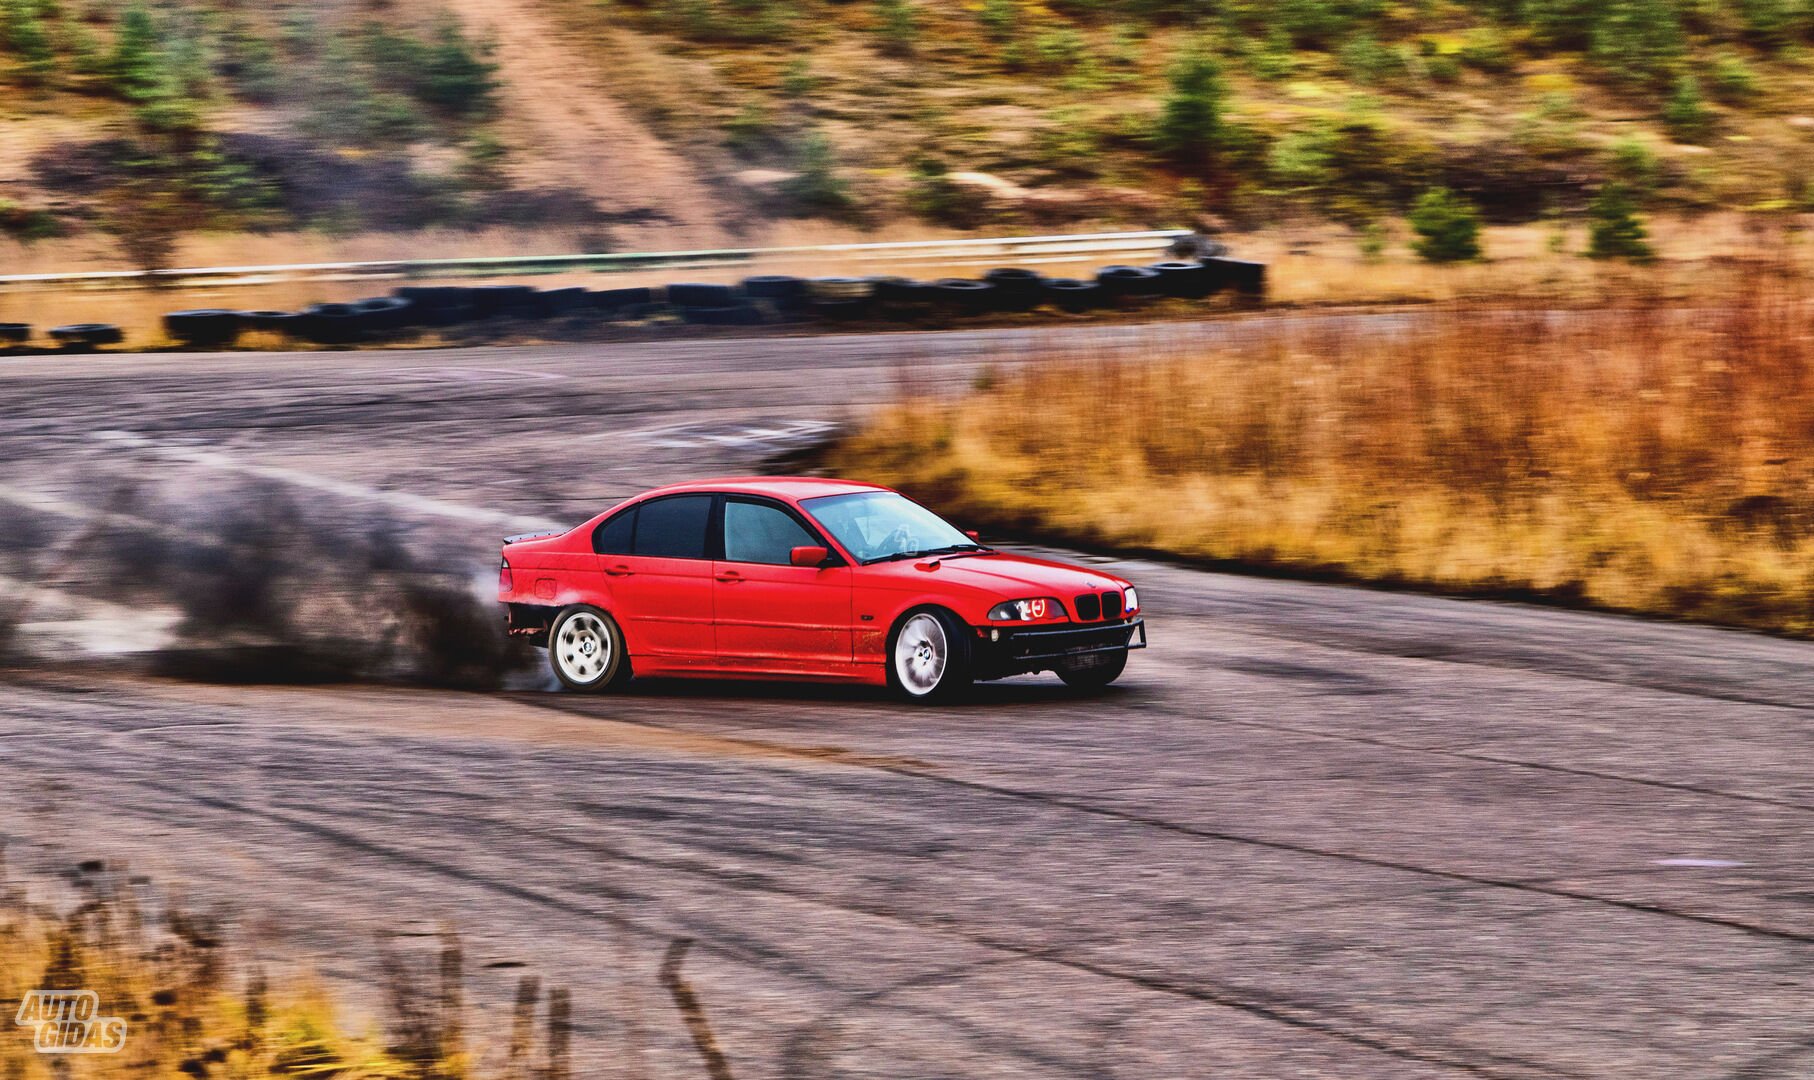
<point>1703,864</point>
<point>472,374</point>
<point>758,434</point>
<point>420,504</point>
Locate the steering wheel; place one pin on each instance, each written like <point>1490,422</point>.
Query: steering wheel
<point>901,539</point>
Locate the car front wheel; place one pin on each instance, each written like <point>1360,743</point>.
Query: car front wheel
<point>586,649</point>
<point>929,656</point>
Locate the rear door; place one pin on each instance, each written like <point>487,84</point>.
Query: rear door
<point>774,617</point>
<point>658,569</point>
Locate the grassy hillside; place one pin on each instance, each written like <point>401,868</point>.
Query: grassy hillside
<point>1251,112</point>
<point>713,119</point>
<point>147,120</point>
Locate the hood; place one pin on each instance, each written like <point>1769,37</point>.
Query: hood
<point>1013,577</point>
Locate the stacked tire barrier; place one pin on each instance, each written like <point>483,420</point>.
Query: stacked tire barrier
<point>1195,273</point>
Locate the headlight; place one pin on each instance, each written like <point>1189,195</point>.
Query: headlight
<point>1132,603</point>
<point>1035,610</point>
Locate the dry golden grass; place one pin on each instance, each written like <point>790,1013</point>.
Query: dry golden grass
<point>1648,455</point>
<point>192,1009</point>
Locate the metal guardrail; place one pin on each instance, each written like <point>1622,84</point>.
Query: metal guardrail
<point>1020,249</point>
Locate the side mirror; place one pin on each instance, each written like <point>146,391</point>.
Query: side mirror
<point>810,556</point>
<point>974,535</point>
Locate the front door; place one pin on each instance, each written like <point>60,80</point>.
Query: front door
<point>774,617</point>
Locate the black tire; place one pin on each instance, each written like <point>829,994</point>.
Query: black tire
<point>332,324</point>
<point>15,333</point>
<point>1072,295</point>
<point>566,642</point>
<point>618,299</point>
<point>782,293</point>
<point>386,314</point>
<point>207,329</point>
<point>956,674</point>
<point>1129,282</point>
<point>832,310</point>
<point>1016,289</point>
<point>774,287</point>
<point>963,296</point>
<point>557,302</point>
<point>434,298</point>
<point>1097,675</point>
<point>901,292</point>
<point>693,295</point>
<point>274,322</point>
<point>841,288</point>
<point>503,301</point>
<point>1185,280</point>
<point>1247,279</point>
<point>87,337</point>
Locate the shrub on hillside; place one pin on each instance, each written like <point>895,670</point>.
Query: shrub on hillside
<point>1771,23</point>
<point>897,28</point>
<point>459,75</point>
<point>1634,165</point>
<point>1614,229</point>
<point>1638,42</point>
<point>1733,80</point>
<point>1447,227</point>
<point>1561,24</point>
<point>22,34</point>
<point>1001,19</point>
<point>937,198</point>
<point>1190,120</point>
<point>816,187</point>
<point>136,66</point>
<point>1686,115</point>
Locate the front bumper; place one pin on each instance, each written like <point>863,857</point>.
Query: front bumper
<point>1003,651</point>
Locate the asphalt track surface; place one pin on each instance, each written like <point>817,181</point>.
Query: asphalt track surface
<point>1315,831</point>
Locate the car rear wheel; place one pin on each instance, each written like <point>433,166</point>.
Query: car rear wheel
<point>1095,671</point>
<point>929,656</point>
<point>586,650</point>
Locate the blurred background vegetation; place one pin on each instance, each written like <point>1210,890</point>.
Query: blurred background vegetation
<point>1403,126</point>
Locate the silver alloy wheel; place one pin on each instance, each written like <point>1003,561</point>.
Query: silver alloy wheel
<point>583,649</point>
<point>920,654</point>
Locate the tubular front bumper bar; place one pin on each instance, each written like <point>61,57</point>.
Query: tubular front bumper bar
<point>1011,651</point>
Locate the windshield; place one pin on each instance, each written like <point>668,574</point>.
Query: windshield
<point>876,525</point>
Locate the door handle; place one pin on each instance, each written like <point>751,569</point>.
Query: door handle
<point>731,577</point>
<point>618,571</point>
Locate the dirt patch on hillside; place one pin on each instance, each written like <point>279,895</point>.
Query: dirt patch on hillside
<point>568,131</point>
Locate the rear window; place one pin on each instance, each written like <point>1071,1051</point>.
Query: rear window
<point>673,528</point>
<point>617,535</point>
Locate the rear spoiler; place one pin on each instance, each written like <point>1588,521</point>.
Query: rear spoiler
<point>508,540</point>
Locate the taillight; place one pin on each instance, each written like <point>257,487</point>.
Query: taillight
<point>504,583</point>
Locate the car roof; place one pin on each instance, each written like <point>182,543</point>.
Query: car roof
<point>793,488</point>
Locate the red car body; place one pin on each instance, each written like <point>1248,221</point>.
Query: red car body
<point>773,592</point>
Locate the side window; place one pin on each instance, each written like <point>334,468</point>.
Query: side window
<point>616,535</point>
<point>758,533</point>
<point>673,528</point>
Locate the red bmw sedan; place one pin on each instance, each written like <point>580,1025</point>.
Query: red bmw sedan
<point>808,579</point>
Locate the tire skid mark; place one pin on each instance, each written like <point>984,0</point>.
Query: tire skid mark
<point>1523,763</point>
<point>1312,1019</point>
<point>1524,885</point>
<point>1629,681</point>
